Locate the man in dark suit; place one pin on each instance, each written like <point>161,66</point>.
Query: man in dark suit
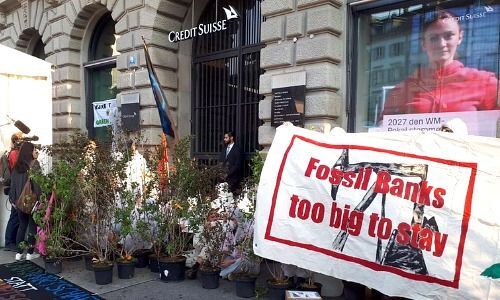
<point>231,159</point>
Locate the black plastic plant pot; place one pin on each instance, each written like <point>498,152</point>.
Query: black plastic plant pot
<point>126,269</point>
<point>103,273</point>
<point>276,291</point>
<point>210,278</point>
<point>88,262</point>
<point>154,265</point>
<point>172,268</point>
<point>53,265</point>
<point>142,257</point>
<point>316,288</point>
<point>245,286</point>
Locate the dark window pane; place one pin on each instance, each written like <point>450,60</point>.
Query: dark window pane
<point>101,72</point>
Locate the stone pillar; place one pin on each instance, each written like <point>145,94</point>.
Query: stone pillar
<point>62,47</point>
<point>304,35</point>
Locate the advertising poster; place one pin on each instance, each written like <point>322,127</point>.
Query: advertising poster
<point>410,214</point>
<point>429,63</point>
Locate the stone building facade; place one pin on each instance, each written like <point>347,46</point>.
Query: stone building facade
<point>305,36</point>
<point>298,37</point>
<point>65,28</point>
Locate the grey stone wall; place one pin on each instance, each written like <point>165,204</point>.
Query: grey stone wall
<point>65,27</point>
<point>139,22</point>
<point>305,35</point>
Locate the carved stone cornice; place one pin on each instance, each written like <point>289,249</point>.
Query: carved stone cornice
<point>7,6</point>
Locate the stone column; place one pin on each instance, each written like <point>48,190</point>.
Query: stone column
<point>304,36</point>
<point>62,47</point>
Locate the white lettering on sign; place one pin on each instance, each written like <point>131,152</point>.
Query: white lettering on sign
<point>202,29</point>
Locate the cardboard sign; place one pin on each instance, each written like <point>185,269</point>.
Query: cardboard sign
<point>404,213</point>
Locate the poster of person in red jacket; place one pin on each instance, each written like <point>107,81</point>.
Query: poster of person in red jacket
<point>429,64</point>
<point>445,84</point>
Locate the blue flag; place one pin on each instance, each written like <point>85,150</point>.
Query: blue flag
<point>161,100</point>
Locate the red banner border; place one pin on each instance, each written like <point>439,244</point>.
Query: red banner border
<point>369,264</point>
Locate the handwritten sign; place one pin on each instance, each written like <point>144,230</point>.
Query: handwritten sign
<point>105,113</point>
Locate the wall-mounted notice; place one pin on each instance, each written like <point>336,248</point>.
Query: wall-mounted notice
<point>130,111</point>
<point>288,104</point>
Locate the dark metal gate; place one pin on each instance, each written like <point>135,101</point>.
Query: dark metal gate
<point>226,69</point>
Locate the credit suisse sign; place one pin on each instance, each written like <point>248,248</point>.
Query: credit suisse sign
<point>203,29</point>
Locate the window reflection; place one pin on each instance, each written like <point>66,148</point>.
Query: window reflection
<point>101,72</point>
<point>400,56</point>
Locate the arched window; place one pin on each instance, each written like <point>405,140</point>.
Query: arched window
<point>226,70</point>
<point>100,71</point>
<point>39,49</point>
<point>30,42</point>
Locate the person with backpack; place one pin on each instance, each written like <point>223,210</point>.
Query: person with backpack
<point>8,161</point>
<point>26,161</point>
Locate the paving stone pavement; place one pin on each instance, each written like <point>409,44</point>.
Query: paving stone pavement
<point>144,285</point>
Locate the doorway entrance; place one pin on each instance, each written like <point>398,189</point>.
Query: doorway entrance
<point>226,70</point>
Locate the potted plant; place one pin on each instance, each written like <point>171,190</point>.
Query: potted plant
<point>248,270</point>
<point>309,284</point>
<point>213,237</point>
<point>133,221</point>
<point>178,211</point>
<point>54,215</point>
<point>143,228</point>
<point>125,219</point>
<point>279,283</point>
<point>99,183</point>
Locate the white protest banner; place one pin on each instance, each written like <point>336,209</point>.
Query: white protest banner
<point>412,214</point>
<point>105,112</point>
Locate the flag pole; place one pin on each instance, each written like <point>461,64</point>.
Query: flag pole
<point>168,110</point>
<point>168,127</point>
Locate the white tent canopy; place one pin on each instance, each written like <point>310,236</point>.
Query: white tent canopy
<point>18,63</point>
<point>25,95</point>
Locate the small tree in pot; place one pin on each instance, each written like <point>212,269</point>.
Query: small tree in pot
<point>279,283</point>
<point>213,237</point>
<point>126,217</point>
<point>178,211</point>
<point>249,266</point>
<point>99,185</point>
<point>55,215</point>
<point>309,284</point>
